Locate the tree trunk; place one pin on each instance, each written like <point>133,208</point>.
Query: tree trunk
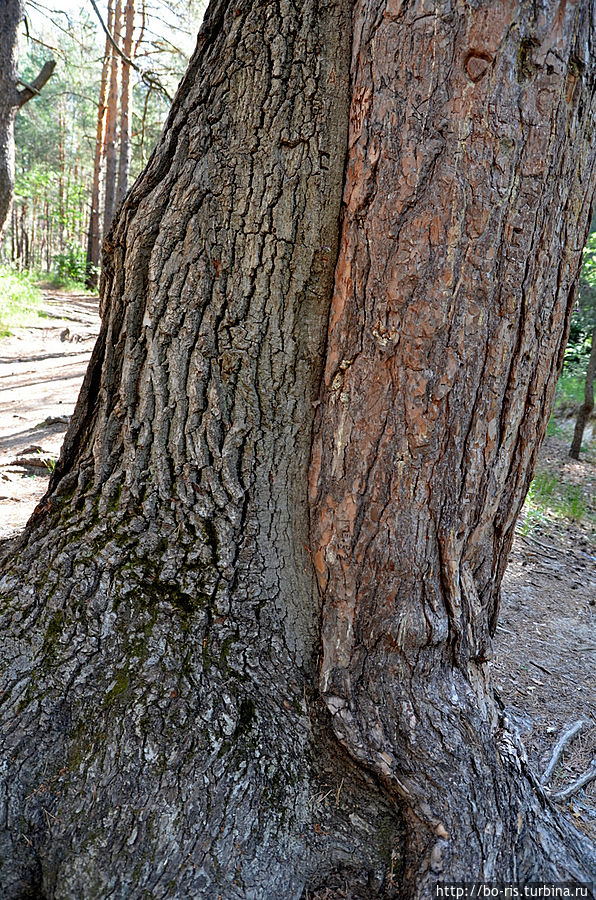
<point>11,14</point>
<point>163,733</point>
<point>111,152</point>
<point>11,99</point>
<point>93,236</point>
<point>585,410</point>
<point>125,105</point>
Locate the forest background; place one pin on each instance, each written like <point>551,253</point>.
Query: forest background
<point>88,134</point>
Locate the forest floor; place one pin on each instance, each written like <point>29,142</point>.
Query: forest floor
<point>545,647</point>
<point>41,370</point>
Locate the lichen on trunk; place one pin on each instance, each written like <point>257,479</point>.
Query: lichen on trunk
<point>161,607</point>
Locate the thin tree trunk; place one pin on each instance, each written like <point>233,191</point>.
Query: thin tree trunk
<point>125,106</point>
<point>162,732</point>
<point>93,236</point>
<point>34,232</point>
<point>62,216</point>
<point>587,406</point>
<point>11,99</point>
<point>11,14</point>
<point>111,153</point>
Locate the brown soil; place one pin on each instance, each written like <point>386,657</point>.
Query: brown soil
<point>545,646</point>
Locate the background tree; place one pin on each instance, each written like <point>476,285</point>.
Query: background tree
<point>125,104</point>
<point>93,236</point>
<point>581,355</point>
<point>60,140</point>
<point>12,99</point>
<point>162,726</point>
<point>111,150</point>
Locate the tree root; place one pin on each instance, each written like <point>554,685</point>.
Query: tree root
<point>559,747</point>
<point>586,778</point>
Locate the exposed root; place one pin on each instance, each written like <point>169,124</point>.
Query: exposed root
<point>559,747</point>
<point>588,776</point>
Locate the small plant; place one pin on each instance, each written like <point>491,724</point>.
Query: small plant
<point>548,496</point>
<point>532,515</point>
<point>569,394</point>
<point>544,487</point>
<point>48,462</point>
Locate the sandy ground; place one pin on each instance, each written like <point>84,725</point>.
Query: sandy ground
<point>545,647</point>
<point>41,370</point>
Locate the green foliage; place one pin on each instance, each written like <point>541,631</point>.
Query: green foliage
<point>583,319</point>
<point>570,392</point>
<point>551,496</point>
<point>70,266</point>
<point>20,301</point>
<point>55,133</point>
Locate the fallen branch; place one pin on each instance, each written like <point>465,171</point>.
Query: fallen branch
<point>553,549</point>
<point>559,747</point>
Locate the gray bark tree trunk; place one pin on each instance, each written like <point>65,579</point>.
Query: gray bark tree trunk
<point>163,732</point>
<point>11,99</point>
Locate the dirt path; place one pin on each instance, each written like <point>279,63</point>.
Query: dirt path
<point>545,647</point>
<point>41,370</point>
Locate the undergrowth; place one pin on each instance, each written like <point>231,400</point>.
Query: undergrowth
<point>20,301</point>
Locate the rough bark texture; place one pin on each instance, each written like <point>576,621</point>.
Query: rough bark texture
<point>161,732</point>
<point>585,410</point>
<point>466,207</point>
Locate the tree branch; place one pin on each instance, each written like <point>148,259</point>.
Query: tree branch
<point>150,80</point>
<point>31,90</point>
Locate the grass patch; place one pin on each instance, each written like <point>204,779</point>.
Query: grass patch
<point>569,394</point>
<point>550,497</point>
<point>553,429</point>
<point>20,301</point>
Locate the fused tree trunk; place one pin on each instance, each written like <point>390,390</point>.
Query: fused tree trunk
<point>406,193</point>
<point>11,99</point>
<point>93,235</point>
<point>111,148</point>
<point>125,105</point>
<point>585,410</point>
